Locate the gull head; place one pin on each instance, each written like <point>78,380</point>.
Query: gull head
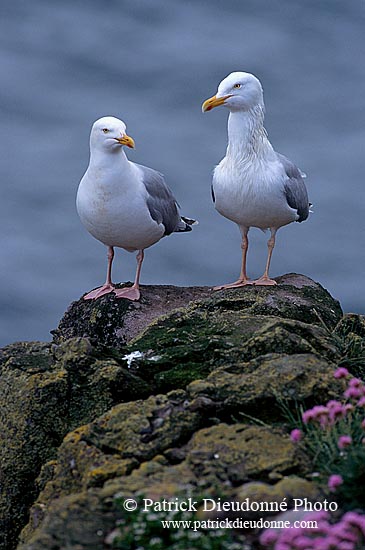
<point>238,92</point>
<point>109,134</point>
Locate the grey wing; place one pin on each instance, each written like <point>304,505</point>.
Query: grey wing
<point>161,202</point>
<point>295,189</point>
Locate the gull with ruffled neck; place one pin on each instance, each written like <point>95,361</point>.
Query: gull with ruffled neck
<point>253,185</point>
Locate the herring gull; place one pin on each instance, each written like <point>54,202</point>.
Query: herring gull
<point>124,204</point>
<point>253,185</point>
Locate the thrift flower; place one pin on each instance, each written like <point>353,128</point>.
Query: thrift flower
<point>344,441</point>
<point>341,372</point>
<point>334,481</point>
<point>355,519</point>
<point>353,392</point>
<point>268,537</point>
<point>319,413</point>
<point>356,383</point>
<point>296,435</point>
<point>307,416</point>
<point>336,410</point>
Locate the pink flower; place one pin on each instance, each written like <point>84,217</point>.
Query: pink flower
<point>344,532</point>
<point>363,424</point>
<point>319,410</point>
<point>283,546</point>
<point>318,413</point>
<point>341,372</point>
<point>321,414</point>
<point>336,410</point>
<point>334,481</point>
<point>296,435</point>
<point>344,441</point>
<point>356,383</point>
<point>344,535</point>
<point>361,402</point>
<point>321,517</point>
<point>353,392</point>
<point>307,416</point>
<point>356,520</point>
<point>333,403</point>
<point>344,545</point>
<point>302,543</point>
<point>268,537</point>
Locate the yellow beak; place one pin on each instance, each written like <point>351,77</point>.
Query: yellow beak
<point>126,140</point>
<point>214,101</point>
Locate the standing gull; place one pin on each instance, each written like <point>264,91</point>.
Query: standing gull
<point>123,204</point>
<point>253,185</point>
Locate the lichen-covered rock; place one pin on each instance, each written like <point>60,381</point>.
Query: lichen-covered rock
<point>220,459</point>
<point>295,297</point>
<point>178,443</point>
<point>110,321</point>
<point>157,397</point>
<point>46,391</point>
<point>260,387</point>
<point>33,413</point>
<point>188,344</point>
<point>285,490</point>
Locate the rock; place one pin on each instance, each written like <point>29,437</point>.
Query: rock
<point>33,404</point>
<point>259,388</point>
<point>110,321</point>
<point>173,445</point>
<point>46,391</point>
<point>224,456</point>
<point>159,397</point>
<point>285,490</point>
<point>188,344</point>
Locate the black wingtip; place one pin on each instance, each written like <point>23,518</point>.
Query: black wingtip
<point>189,221</point>
<point>185,224</point>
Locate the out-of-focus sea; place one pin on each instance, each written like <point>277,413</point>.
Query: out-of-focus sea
<point>152,63</point>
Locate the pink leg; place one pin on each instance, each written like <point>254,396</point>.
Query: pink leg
<point>132,292</point>
<point>108,286</point>
<point>265,279</point>
<point>243,280</point>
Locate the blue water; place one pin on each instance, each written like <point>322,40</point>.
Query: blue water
<point>152,63</point>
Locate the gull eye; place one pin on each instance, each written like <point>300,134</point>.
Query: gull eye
<point>237,86</point>
<point>105,130</point>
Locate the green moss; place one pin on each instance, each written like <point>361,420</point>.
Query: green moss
<point>189,344</point>
<point>180,377</point>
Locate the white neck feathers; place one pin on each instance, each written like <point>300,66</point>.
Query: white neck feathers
<point>247,136</point>
<point>99,158</point>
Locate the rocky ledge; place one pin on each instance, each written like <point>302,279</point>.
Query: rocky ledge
<point>180,394</point>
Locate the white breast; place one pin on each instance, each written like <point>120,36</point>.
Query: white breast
<point>252,193</point>
<point>114,210</point>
